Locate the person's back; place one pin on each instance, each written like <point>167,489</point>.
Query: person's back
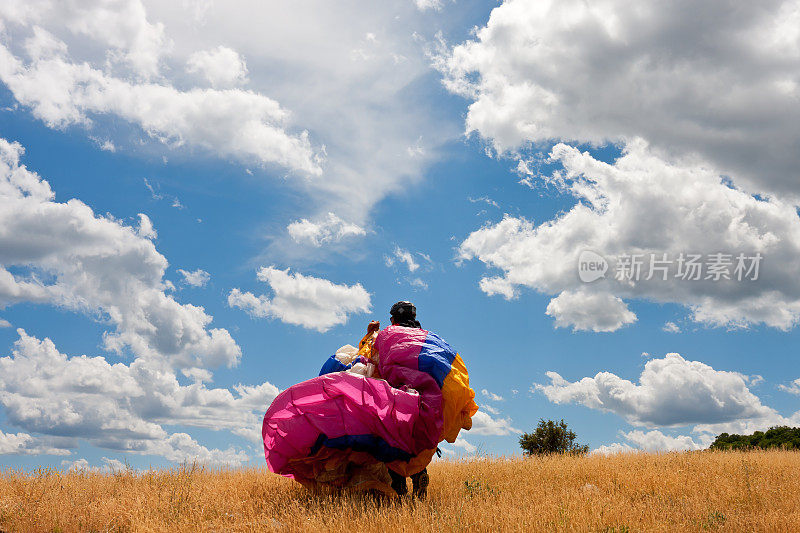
<point>413,358</point>
<point>394,344</point>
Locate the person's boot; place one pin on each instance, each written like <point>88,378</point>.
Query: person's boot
<point>419,483</point>
<point>398,483</point>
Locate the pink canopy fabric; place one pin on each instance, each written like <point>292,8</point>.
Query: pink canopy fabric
<point>341,429</point>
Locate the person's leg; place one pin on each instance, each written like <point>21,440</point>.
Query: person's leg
<point>419,482</point>
<point>398,483</point>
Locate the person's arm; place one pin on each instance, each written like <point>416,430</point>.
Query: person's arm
<point>372,328</point>
<point>366,347</point>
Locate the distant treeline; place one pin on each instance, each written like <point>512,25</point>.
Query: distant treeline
<point>776,437</point>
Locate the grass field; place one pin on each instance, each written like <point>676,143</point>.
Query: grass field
<point>698,491</point>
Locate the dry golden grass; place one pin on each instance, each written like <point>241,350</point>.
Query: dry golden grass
<point>700,491</point>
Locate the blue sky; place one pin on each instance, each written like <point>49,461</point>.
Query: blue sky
<point>569,146</point>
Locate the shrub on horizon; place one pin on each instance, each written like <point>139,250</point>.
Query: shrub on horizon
<point>551,437</point>
<point>784,437</point>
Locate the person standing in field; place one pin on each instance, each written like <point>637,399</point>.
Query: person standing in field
<point>375,415</point>
<point>402,314</point>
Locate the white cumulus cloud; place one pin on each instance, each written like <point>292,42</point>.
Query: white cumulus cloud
<point>484,424</point>
<point>120,407</point>
<point>121,65</point>
<point>196,278</point>
<point>329,229</point>
<point>222,66</point>
<point>586,310</point>
<point>82,465</point>
<point>120,26</point>
<point>423,5</point>
<point>460,446</point>
<point>146,229</point>
<point>671,392</point>
<point>307,301</point>
<point>24,444</point>
<point>791,388</point>
<point>642,204</point>
<point>656,441</point>
<point>232,122</point>
<point>690,79</point>
<point>66,255</point>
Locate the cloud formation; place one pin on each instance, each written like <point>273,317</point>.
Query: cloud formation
<point>117,406</point>
<point>197,278</point>
<point>66,255</point>
<point>103,63</point>
<point>121,27</point>
<point>484,424</point>
<point>82,465</point>
<point>329,229</point>
<point>671,392</point>
<point>222,67</point>
<point>589,311</point>
<point>642,204</point>
<point>24,444</point>
<point>307,301</point>
<point>690,79</point>
<point>459,447</point>
<point>401,255</point>
<point>128,83</point>
<point>791,388</point>
<point>423,5</point>
<point>233,122</point>
<point>492,396</point>
<point>654,441</point>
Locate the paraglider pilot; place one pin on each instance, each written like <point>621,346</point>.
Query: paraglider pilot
<point>375,414</point>
<point>404,314</point>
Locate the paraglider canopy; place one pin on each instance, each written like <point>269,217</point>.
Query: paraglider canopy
<point>384,406</point>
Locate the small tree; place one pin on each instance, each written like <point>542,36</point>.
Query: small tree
<point>551,437</point>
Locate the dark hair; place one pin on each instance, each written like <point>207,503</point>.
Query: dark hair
<point>405,314</point>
